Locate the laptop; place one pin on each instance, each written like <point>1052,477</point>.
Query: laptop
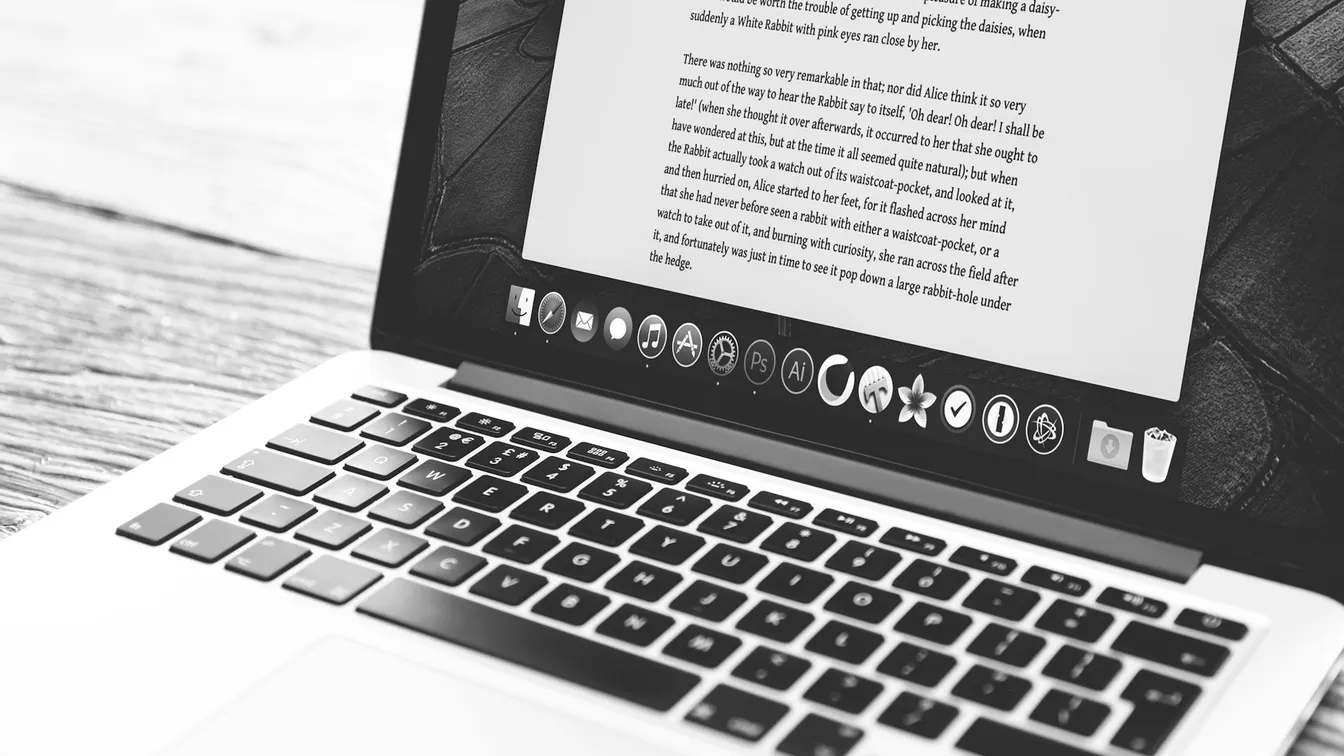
<point>748,377</point>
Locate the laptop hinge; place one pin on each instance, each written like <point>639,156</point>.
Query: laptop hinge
<point>778,457</point>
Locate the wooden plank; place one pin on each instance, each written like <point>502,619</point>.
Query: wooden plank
<point>1319,47</point>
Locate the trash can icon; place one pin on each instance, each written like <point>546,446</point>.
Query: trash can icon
<point>1159,447</point>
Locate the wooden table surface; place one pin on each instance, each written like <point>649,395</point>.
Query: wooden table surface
<point>192,201</point>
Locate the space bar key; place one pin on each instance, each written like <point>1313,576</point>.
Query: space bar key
<point>531,644</point>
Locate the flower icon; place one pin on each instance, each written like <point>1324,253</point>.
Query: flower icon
<point>917,400</point>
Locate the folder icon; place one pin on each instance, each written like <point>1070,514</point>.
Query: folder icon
<point>1109,446</point>
<point>583,321</point>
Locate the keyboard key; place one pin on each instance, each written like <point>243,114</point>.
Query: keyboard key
<point>490,494</point>
<point>547,510</point>
<point>598,455</point>
<point>1082,668</point>
<point>278,471</point>
<point>1208,623</point>
<point>735,524</point>
<point>606,527</point>
<point>658,472</point>
<point>673,506</point>
<point>844,642</point>
<point>217,495</point>
<point>581,562</point>
<point>780,505</point>
<point>643,581</point>
<point>795,583</point>
<point>635,625</point>
<point>843,691</point>
<point>861,560</point>
<point>490,426</point>
<point>311,442</point>
<point>267,559</point>
<point>986,737</point>
<point>819,735</point>
<point>448,444</point>
<point>667,545</point>
<point>558,474</point>
<point>277,513</point>
<point>916,664</point>
<point>503,459</point>
<point>570,605</point>
<point>1132,602</point>
<point>540,439</point>
<point>775,621</point>
<point>431,410</point>
<point>345,415</point>
<point>379,396</point>
<point>845,523</point>
<point>409,510</point>
<point>708,601</point>
<point>508,585</point>
<point>862,603</point>
<point>350,493</point>
<point>798,542</point>
<point>716,487</point>
<point>1074,621</point>
<point>997,690</point>
<point>983,560</point>
<point>615,490</point>
<point>1159,703</point>
<point>920,716</point>
<point>521,544</point>
<point>932,580</point>
<point>1175,650</point>
<point>931,623</point>
<point>1070,713</point>
<point>462,526</point>
<point>380,462</point>
<point>448,566</point>
<point>434,478</point>
<point>1006,646</point>
<point>702,646</point>
<point>332,530</point>
<point>773,669</point>
<point>741,715</point>
<point>732,564</point>
<point>212,541</point>
<point>1056,581</point>
<point>333,580</point>
<point>158,524</point>
<point>1001,600</point>
<point>395,429</point>
<point>911,541</point>
<point>390,548</point>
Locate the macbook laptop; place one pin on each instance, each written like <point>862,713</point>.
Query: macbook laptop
<point>763,376</point>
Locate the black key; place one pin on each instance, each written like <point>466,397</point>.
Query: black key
<point>716,487</point>
<point>158,524</point>
<point>819,735</point>
<point>558,474</point>
<point>490,493</point>
<point>986,737</point>
<point>983,560</point>
<point>490,426</point>
<point>667,545</point>
<point>657,472</point>
<point>350,493</point>
<point>1082,668</point>
<point>997,690</point>
<point>395,429</point>
<point>1159,703</point>
<point>780,505</point>
<point>380,462</point>
<point>333,580</point>
<point>540,439</point>
<point>1074,621</point>
<point>462,526</point>
<point>773,669</point>
<point>431,410</point>
<point>508,585</point>
<point>702,646</point>
<point>1006,645</point>
<point>267,559</point>
<point>735,524</point>
<point>844,642</point>
<point>521,544</point>
<point>448,566</point>
<point>861,560</point>
<point>775,621</point>
<point>448,444</point>
<point>504,460</point>
<point>547,510</point>
<point>581,562</point>
<point>911,541</point>
<point>212,541</point>
<point>277,513</point>
<point>598,455</point>
<point>531,644</point>
<point>741,715</point>
<point>933,623</point>
<point>278,471</point>
<point>1056,581</point>
<point>390,548</point>
<point>728,563</point>
<point>932,580</point>
<point>845,523</point>
<point>409,510</point>
<point>643,581</point>
<point>217,495</point>
<point>673,506</point>
<point>917,665</point>
<point>1208,623</point>
<point>1001,600</point>
<point>1075,714</point>
<point>708,601</point>
<point>379,396</point>
<point>635,625</point>
<point>434,478</point>
<point>345,415</point>
<point>570,605</point>
<point>606,527</point>
<point>332,530</point>
<point>863,603</point>
<point>798,541</point>
<point>843,691</point>
<point>615,490</point>
<point>311,442</point>
<point>920,716</point>
<point>1132,602</point>
<point>1175,650</point>
<point>795,583</point>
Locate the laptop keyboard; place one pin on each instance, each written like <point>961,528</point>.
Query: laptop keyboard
<point>517,542</point>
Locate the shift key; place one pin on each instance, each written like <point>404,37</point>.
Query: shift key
<point>283,473</point>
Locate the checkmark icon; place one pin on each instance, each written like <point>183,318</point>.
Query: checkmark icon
<point>957,410</point>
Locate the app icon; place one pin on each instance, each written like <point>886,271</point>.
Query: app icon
<point>520,306</point>
<point>652,337</point>
<point>1159,447</point>
<point>1000,419</point>
<point>551,314</point>
<point>1109,446</point>
<point>875,390</point>
<point>958,409</point>
<point>759,362</point>
<point>584,326</point>
<point>796,371</point>
<point>1045,429</point>
<point>917,402</point>
<point>618,328</point>
<point>723,353</point>
<point>686,344</point>
<point>839,364</point>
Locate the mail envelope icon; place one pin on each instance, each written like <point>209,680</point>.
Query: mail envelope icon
<point>583,321</point>
<point>1109,446</point>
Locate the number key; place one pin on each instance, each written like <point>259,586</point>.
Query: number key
<point>673,506</point>
<point>395,429</point>
<point>932,580</point>
<point>798,541</point>
<point>449,444</point>
<point>615,490</point>
<point>502,459</point>
<point>735,524</point>
<point>558,474</point>
<point>861,560</point>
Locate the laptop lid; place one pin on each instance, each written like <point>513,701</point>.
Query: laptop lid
<point>963,239</point>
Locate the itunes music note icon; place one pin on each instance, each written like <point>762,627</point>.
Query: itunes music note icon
<point>652,337</point>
